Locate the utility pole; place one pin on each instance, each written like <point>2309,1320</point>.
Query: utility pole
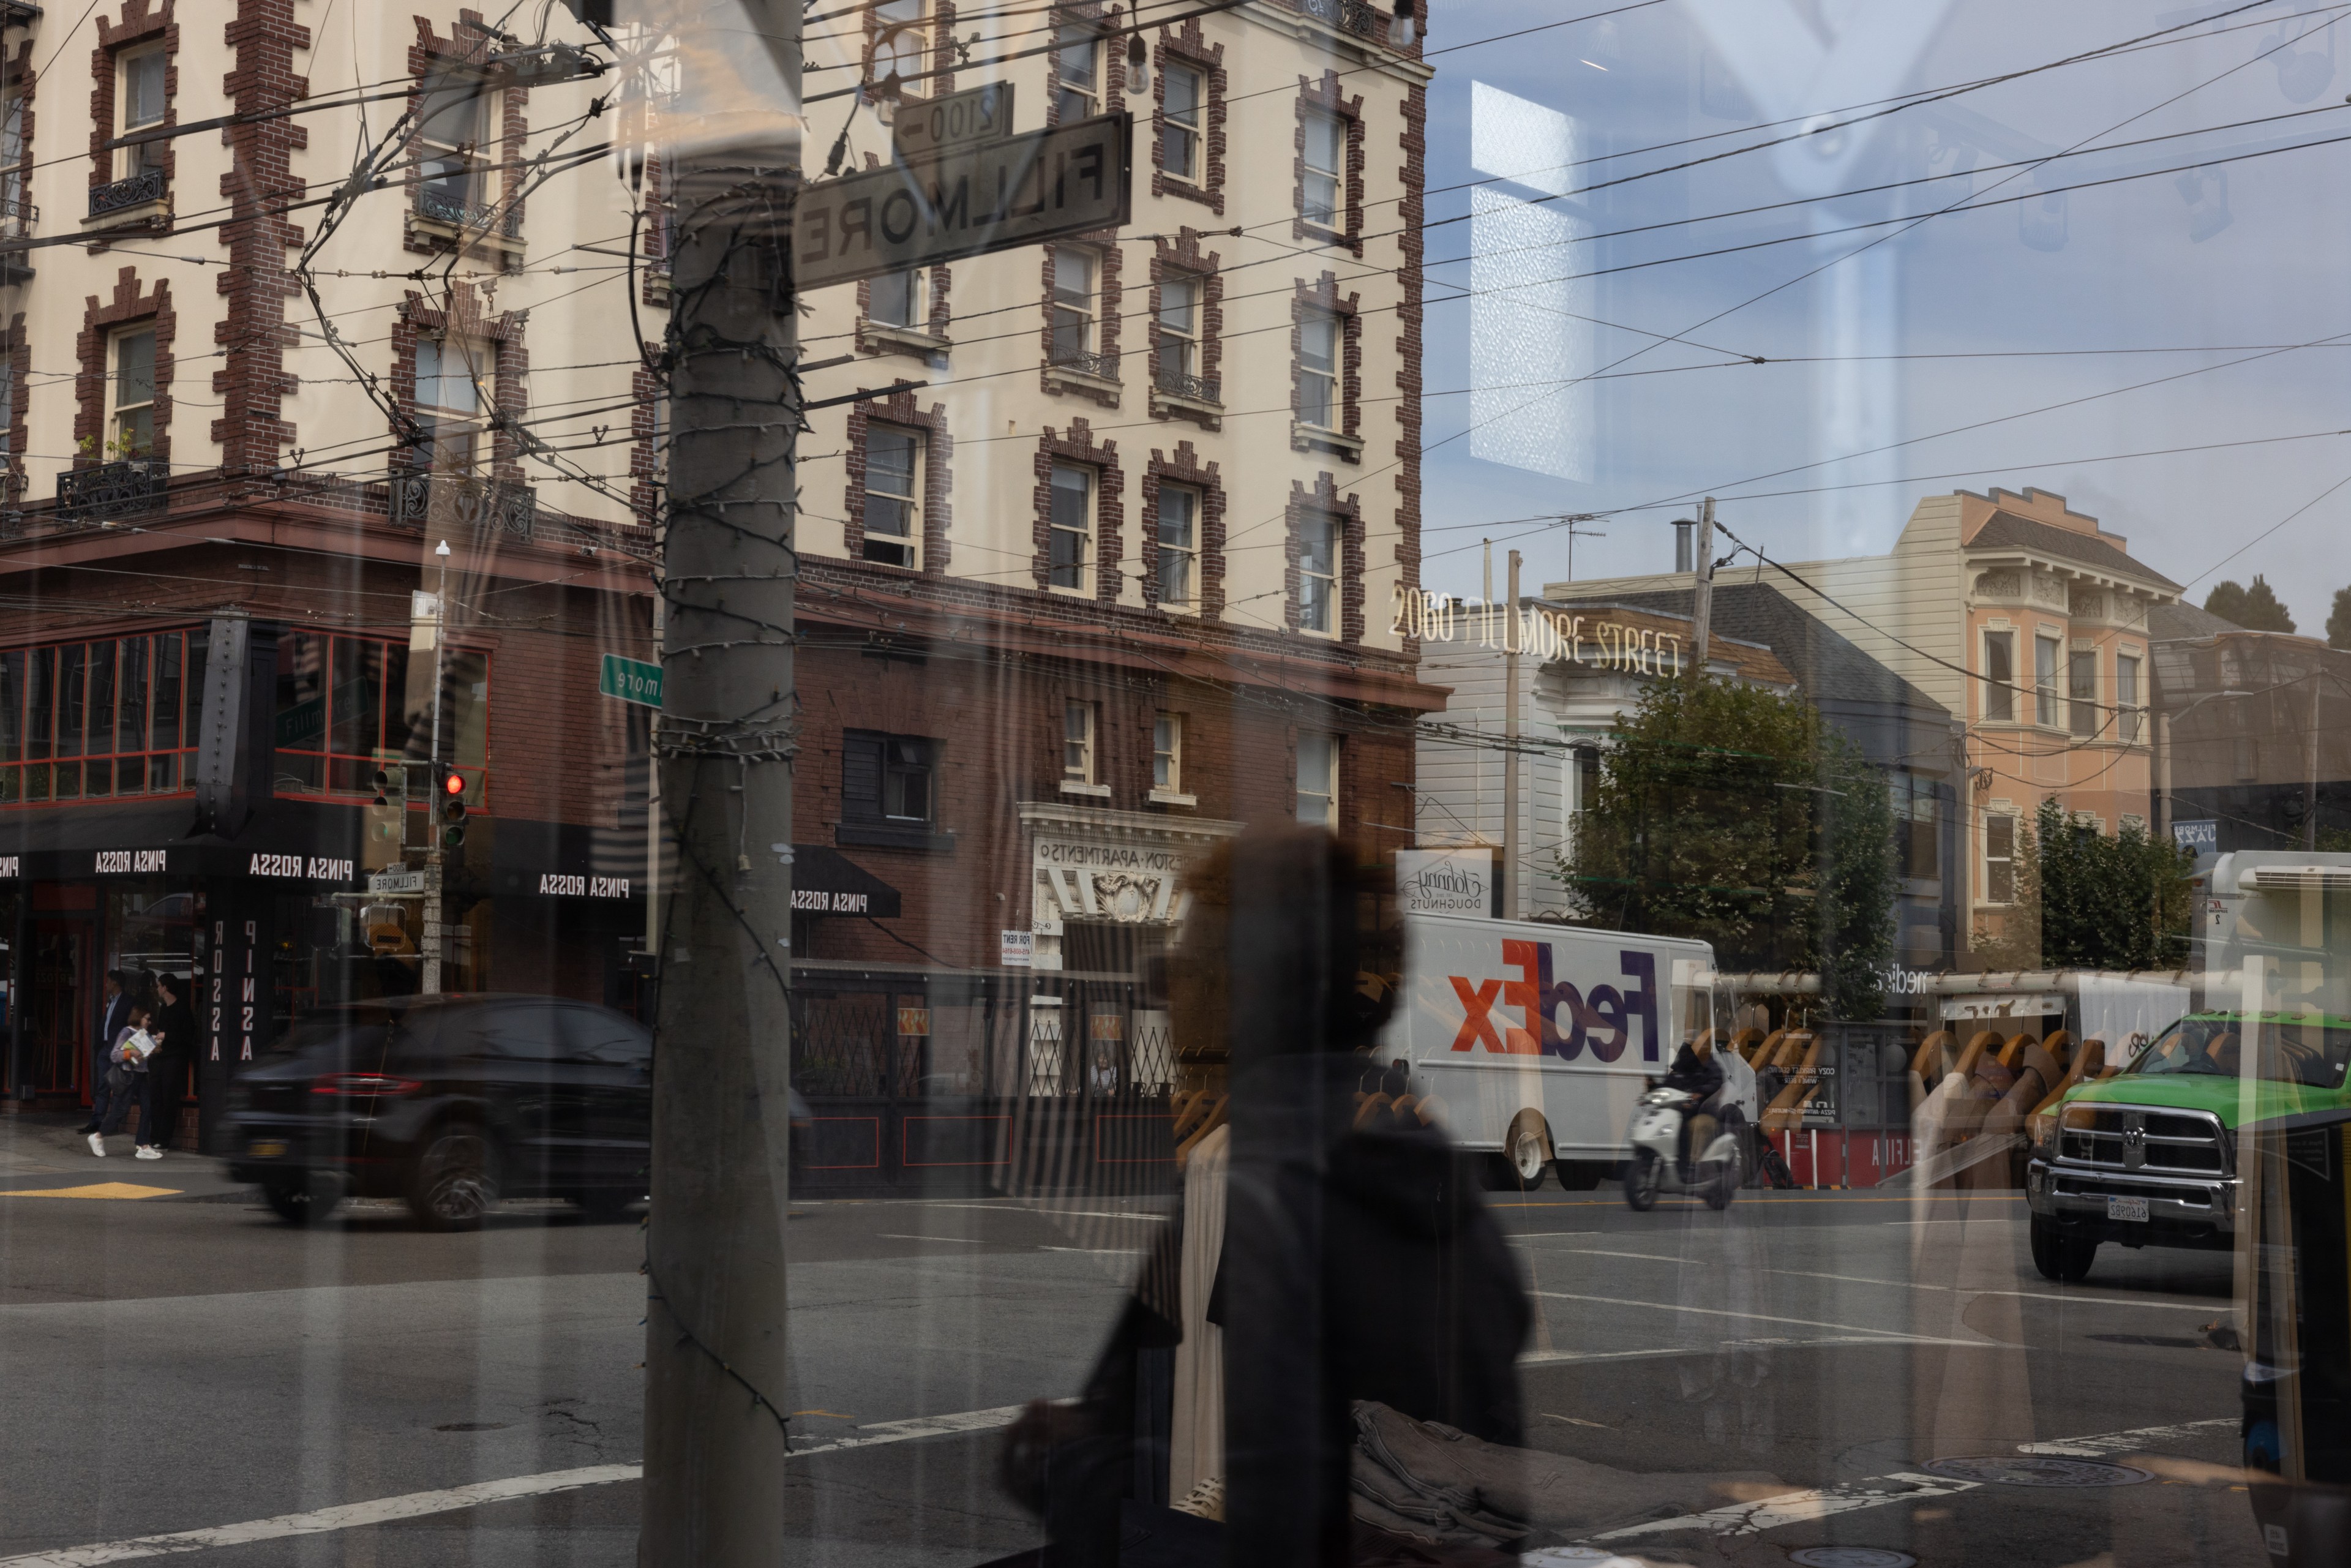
<point>435,915</point>
<point>1507,882</point>
<point>714,1436</point>
<point>1704,594</point>
<point>2310,788</point>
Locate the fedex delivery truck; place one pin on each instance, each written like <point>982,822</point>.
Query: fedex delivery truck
<point>1540,1038</point>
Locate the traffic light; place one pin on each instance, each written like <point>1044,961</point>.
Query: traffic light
<point>451,787</point>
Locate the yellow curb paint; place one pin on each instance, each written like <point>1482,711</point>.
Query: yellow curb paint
<point>96,1189</point>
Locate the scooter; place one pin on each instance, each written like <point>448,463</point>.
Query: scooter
<point>1657,1166</point>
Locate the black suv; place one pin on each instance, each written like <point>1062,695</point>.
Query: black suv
<point>449,1102</point>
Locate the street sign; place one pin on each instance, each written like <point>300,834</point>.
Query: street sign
<point>396,882</point>
<point>967,201</point>
<point>2200,837</point>
<point>630,680</point>
<point>974,114</point>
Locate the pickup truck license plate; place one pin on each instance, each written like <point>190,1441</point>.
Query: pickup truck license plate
<point>270,1149</point>
<point>2133,1208</point>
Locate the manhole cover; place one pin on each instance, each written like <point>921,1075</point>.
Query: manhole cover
<point>2001,1471</point>
<point>1851,1557</point>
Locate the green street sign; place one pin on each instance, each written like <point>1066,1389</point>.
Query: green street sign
<point>630,680</point>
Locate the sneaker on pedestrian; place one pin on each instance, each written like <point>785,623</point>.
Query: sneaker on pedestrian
<point>98,1145</point>
<point>150,1152</point>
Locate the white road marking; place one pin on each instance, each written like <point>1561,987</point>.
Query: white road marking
<point>1800,1507</point>
<point>414,1505</point>
<point>1909,1284</point>
<point>1555,1357</point>
<point>1891,1335</point>
<point>1025,1208</point>
<point>965,1240</point>
<point>2135,1441</point>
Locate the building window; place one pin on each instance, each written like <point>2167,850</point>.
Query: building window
<point>2081,691</point>
<point>888,794</point>
<point>1318,779</point>
<point>896,300</point>
<point>1076,56</point>
<point>452,130</point>
<point>1179,337</point>
<point>1319,188</point>
<point>91,721</point>
<point>2127,697</point>
<point>901,42</point>
<point>1317,571</point>
<point>346,706</point>
<point>131,424</point>
<point>1167,754</point>
<point>1079,724</point>
<point>1073,519</point>
<point>1917,850</point>
<point>450,375</point>
<point>1075,270</point>
<point>2045,654</point>
<point>1999,677</point>
<point>892,507</point>
<point>1183,95</point>
<point>1318,337</point>
<point>139,90</point>
<point>1999,859</point>
<point>1179,546</point>
<point>13,210</point>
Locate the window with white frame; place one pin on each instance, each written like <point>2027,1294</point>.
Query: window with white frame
<point>1319,337</point>
<point>1180,336</point>
<point>1183,96</point>
<point>1076,55</point>
<point>893,461</point>
<point>140,106</point>
<point>1080,721</point>
<point>2127,711</point>
<point>130,422</point>
<point>1318,779</point>
<point>1069,564</point>
<point>900,41</point>
<point>1999,677</point>
<point>451,375</point>
<point>1999,859</point>
<point>898,299</point>
<point>13,210</point>
<point>1167,754</point>
<point>2046,655</point>
<point>1075,269</point>
<point>1318,569</point>
<point>1179,546</point>
<point>452,131</point>
<point>2081,691</point>
<point>1319,176</point>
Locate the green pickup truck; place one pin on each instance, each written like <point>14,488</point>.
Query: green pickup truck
<point>2147,1157</point>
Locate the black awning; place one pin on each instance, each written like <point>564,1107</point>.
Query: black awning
<point>286,841</point>
<point>568,860</point>
<point>826,882</point>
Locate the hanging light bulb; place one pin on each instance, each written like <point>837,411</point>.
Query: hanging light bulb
<point>1405,31</point>
<point>1138,63</point>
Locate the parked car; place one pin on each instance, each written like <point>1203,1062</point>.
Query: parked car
<point>450,1103</point>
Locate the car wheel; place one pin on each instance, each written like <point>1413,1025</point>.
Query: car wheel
<point>456,1182</point>
<point>1528,1150</point>
<point>1579,1176</point>
<point>2058,1256</point>
<point>1724,1186</point>
<point>1642,1179</point>
<point>300,1200</point>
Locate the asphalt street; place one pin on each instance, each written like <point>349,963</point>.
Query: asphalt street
<point>1783,1375</point>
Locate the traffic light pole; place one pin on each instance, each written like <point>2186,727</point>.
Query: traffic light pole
<point>436,906</point>
<point>715,1438</point>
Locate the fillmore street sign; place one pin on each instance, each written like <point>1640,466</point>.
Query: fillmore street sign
<point>1540,633</point>
<point>966,201</point>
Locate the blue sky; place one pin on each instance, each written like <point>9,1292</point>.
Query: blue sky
<point>2219,254</point>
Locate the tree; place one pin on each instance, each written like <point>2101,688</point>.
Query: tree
<point>2084,900</point>
<point>1735,815</point>
<point>2256,608</point>
<point>2338,620</point>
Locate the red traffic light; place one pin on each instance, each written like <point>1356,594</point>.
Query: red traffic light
<point>455,784</point>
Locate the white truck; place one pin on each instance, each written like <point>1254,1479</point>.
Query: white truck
<point>1539,1039</point>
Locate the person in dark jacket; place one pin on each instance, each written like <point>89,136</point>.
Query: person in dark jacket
<point>1695,1072</point>
<point>174,1028</point>
<point>114,1011</point>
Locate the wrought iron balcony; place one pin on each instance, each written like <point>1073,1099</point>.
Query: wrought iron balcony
<point>487,506</point>
<point>1200,389</point>
<point>432,202</point>
<point>17,217</point>
<point>147,185</point>
<point>129,488</point>
<point>1103,367</point>
<point>1347,15</point>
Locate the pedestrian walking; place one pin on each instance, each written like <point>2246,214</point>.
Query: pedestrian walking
<point>127,1085</point>
<point>114,1010</point>
<point>174,1028</point>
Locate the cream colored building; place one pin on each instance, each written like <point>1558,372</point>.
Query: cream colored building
<point>2025,618</point>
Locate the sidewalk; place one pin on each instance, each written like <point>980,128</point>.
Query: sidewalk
<point>40,1152</point>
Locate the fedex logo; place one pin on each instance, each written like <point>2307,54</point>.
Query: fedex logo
<point>1600,1019</point>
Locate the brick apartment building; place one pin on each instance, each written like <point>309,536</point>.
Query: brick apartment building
<point>1070,611</point>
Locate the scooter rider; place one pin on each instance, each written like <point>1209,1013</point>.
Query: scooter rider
<point>1695,1072</point>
